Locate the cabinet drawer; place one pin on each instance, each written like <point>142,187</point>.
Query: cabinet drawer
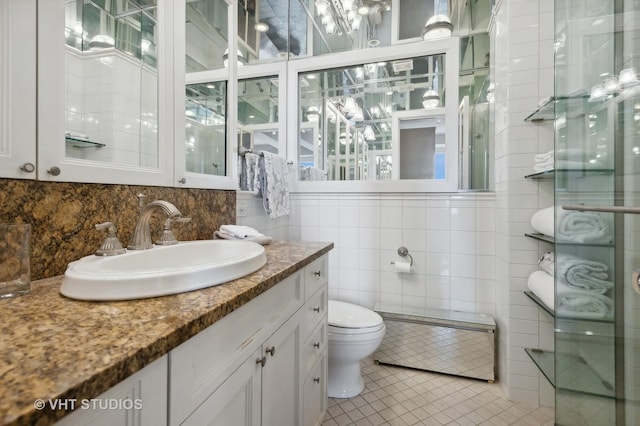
<point>315,346</point>
<point>314,310</point>
<point>315,394</point>
<point>315,276</point>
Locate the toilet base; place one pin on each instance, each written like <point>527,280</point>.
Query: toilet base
<point>344,379</point>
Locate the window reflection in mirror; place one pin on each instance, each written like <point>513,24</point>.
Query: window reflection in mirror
<point>258,114</point>
<point>111,82</point>
<point>420,144</point>
<point>206,34</point>
<point>351,111</point>
<point>205,114</point>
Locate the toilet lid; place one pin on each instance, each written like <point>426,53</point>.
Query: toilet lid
<point>348,315</point>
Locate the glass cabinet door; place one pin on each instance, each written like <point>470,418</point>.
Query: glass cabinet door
<point>202,73</point>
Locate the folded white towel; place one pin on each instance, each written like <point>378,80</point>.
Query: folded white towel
<point>262,239</point>
<point>583,227</point>
<point>543,157</point>
<point>240,231</point>
<point>76,135</point>
<point>546,263</point>
<point>583,274</point>
<point>582,304</point>
<point>542,285</point>
<point>543,221</point>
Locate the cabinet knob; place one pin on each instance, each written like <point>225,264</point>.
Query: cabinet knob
<point>316,379</point>
<point>28,167</point>
<point>316,273</point>
<point>316,309</point>
<point>316,345</point>
<point>271,350</point>
<point>183,180</point>
<point>54,171</point>
<point>262,361</point>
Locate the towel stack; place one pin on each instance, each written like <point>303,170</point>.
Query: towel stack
<point>241,232</point>
<point>580,290</point>
<point>543,162</point>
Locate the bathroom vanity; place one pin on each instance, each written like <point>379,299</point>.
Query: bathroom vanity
<point>252,351</point>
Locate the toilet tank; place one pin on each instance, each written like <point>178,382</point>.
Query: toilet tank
<point>439,340</point>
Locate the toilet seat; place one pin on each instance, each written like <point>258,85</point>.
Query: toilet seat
<point>347,318</point>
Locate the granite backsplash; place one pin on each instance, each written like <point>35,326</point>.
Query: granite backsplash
<point>63,216</point>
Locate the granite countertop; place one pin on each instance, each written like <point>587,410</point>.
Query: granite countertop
<point>52,347</point>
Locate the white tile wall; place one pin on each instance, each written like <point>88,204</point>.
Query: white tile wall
<point>118,103</point>
<point>257,218</point>
<point>523,55</point>
<point>450,237</point>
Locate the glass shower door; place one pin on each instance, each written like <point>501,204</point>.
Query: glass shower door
<point>597,197</point>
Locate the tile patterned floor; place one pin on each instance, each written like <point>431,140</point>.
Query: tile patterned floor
<point>400,396</point>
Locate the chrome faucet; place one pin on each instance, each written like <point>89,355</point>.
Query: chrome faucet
<point>141,238</point>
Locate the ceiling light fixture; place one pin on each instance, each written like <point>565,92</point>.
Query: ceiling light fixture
<point>262,27</point>
<point>430,99</point>
<point>225,58</point>
<point>438,26</point>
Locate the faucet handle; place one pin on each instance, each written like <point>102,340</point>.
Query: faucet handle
<point>167,238</point>
<point>111,245</point>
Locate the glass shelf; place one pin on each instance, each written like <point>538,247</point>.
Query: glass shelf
<point>539,302</point>
<point>82,143</point>
<point>540,237</point>
<point>547,174</point>
<point>576,103</point>
<point>584,378</point>
<point>552,240</point>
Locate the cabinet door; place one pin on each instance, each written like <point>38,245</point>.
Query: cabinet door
<point>17,88</point>
<point>280,376</point>
<point>139,400</point>
<point>315,393</point>
<point>236,402</point>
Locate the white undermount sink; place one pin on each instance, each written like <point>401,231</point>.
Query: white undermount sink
<point>162,270</point>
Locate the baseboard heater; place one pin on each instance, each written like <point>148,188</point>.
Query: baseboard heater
<point>439,340</point>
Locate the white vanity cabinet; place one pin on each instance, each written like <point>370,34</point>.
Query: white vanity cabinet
<point>138,400</point>
<point>263,364</point>
<point>17,88</point>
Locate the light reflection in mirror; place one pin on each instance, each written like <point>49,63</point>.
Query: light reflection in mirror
<point>205,113</point>
<point>349,113</point>
<point>111,95</point>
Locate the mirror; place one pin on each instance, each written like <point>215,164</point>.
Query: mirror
<point>206,133</point>
<point>351,112</point>
<point>111,91</point>
<point>258,114</point>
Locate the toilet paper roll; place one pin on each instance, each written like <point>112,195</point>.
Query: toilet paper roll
<point>402,267</point>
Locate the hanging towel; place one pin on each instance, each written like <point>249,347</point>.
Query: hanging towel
<point>273,183</point>
<point>252,174</point>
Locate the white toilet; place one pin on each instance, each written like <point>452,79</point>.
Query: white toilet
<point>354,333</point>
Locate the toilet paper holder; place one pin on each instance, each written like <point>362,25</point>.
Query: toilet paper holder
<point>403,252</point>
